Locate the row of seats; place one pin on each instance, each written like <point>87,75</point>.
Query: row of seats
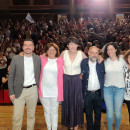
<point>4,96</point>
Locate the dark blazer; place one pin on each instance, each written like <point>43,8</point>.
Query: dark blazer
<point>16,74</point>
<point>85,71</point>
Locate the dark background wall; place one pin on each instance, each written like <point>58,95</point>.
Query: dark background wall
<point>4,4</point>
<point>19,8</point>
<point>4,9</point>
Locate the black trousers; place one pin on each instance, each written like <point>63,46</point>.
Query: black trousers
<point>128,107</point>
<point>92,102</point>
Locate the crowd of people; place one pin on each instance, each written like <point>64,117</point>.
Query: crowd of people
<point>97,31</point>
<point>74,79</point>
<point>89,31</point>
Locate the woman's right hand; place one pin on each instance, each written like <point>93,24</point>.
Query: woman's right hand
<point>44,55</point>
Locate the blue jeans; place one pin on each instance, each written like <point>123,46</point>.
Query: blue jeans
<point>113,97</point>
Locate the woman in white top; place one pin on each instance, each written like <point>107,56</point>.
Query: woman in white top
<point>127,80</point>
<point>72,106</point>
<point>114,84</point>
<point>51,84</point>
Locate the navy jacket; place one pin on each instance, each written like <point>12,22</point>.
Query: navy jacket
<point>85,71</point>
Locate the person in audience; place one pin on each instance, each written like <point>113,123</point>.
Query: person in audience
<point>3,65</point>
<point>5,78</point>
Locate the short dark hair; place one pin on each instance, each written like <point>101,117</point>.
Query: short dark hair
<point>72,39</point>
<point>50,45</point>
<point>115,46</point>
<point>127,53</point>
<point>28,39</point>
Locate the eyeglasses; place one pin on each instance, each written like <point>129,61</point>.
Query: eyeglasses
<point>51,49</point>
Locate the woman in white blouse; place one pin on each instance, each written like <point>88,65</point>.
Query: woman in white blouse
<point>114,87</point>
<point>72,106</point>
<point>51,84</point>
<point>127,80</point>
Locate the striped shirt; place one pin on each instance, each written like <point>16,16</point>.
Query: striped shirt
<point>127,82</point>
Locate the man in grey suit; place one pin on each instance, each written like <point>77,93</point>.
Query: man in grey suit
<point>22,83</point>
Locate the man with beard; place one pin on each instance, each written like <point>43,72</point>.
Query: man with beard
<point>22,83</point>
<point>93,83</point>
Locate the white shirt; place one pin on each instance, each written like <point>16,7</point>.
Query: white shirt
<point>49,79</point>
<point>72,68</point>
<point>114,72</point>
<point>29,78</point>
<point>93,82</point>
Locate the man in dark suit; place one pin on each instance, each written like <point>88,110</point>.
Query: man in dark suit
<point>93,83</point>
<point>22,83</point>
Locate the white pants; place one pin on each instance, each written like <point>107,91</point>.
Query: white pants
<point>50,106</point>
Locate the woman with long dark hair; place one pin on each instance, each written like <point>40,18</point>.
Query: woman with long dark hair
<point>114,87</point>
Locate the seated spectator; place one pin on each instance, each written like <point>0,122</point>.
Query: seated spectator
<point>3,65</point>
<point>5,78</point>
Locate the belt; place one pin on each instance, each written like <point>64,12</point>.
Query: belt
<point>94,91</point>
<point>29,86</point>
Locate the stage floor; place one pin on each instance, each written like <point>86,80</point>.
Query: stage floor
<point>6,119</point>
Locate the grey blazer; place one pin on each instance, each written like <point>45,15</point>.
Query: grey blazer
<point>16,74</point>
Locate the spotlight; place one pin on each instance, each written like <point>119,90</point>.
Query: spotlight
<point>99,0</point>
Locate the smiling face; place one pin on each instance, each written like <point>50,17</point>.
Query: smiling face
<point>51,52</point>
<point>111,51</point>
<point>93,53</point>
<point>72,47</point>
<point>28,47</point>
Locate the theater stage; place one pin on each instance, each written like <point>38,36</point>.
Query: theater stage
<point>6,119</point>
